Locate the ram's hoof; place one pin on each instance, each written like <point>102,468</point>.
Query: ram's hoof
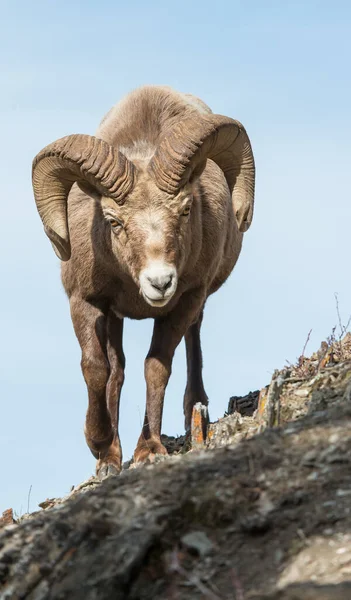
<point>151,459</point>
<point>106,470</point>
<point>149,452</point>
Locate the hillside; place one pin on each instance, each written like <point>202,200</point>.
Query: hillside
<point>260,509</point>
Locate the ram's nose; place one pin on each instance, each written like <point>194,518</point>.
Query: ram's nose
<point>158,283</point>
<point>161,282</point>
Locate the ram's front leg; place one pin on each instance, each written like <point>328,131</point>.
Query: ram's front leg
<point>90,325</point>
<point>167,334</point>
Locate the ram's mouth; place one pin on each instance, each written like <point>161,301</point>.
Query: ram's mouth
<point>157,303</point>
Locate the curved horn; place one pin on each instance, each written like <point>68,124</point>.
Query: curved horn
<point>81,159</point>
<point>182,155</point>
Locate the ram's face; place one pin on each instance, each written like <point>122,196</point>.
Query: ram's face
<point>150,237</point>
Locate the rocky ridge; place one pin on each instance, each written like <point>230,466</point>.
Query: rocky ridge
<point>260,509</point>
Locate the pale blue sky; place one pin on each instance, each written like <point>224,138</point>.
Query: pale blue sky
<point>283,69</point>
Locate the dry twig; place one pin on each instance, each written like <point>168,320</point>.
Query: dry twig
<point>306,342</point>
<point>174,566</point>
<point>343,328</point>
<point>239,590</point>
<point>28,502</point>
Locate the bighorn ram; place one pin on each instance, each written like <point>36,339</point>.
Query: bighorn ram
<point>151,227</point>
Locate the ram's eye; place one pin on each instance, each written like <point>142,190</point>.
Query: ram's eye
<point>186,211</point>
<point>115,224</point>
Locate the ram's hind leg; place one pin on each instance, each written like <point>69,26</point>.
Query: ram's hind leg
<point>90,325</point>
<point>195,391</point>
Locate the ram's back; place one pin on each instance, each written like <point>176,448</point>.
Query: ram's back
<point>138,123</point>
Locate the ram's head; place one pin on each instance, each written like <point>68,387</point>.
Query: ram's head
<point>147,205</point>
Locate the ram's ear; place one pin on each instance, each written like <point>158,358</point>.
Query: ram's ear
<point>186,190</point>
<point>89,189</point>
<point>197,171</point>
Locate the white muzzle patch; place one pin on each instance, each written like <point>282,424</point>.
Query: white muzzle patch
<point>158,282</point>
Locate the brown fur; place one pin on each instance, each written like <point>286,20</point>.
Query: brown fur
<point>102,276</point>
